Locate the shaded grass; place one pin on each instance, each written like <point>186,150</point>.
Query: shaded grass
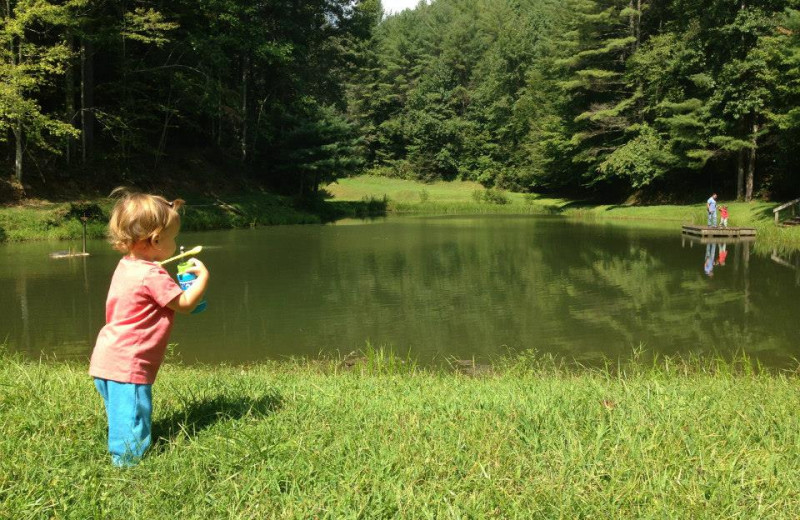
<point>535,437</point>
<point>58,221</point>
<point>54,221</point>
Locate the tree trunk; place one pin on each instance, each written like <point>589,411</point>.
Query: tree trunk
<point>69,105</point>
<point>16,59</point>
<point>638,23</point>
<point>751,165</point>
<point>162,142</point>
<point>18,151</point>
<point>87,100</point>
<point>740,175</point>
<point>219,112</point>
<point>632,19</point>
<point>245,64</point>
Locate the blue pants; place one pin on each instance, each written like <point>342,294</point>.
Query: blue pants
<point>129,408</point>
<point>712,219</point>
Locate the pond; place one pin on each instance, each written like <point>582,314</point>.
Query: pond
<point>437,287</point>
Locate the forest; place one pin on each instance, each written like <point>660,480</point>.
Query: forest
<point>590,98</point>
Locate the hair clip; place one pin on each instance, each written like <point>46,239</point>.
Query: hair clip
<point>171,204</point>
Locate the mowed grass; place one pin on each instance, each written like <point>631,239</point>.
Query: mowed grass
<point>405,196</point>
<point>302,439</point>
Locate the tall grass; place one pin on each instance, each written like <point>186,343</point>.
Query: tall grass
<point>536,437</point>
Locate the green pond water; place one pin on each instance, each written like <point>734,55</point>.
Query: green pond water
<point>437,287</point>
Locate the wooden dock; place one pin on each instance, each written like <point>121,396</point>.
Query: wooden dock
<point>67,254</point>
<point>694,239</point>
<point>718,232</point>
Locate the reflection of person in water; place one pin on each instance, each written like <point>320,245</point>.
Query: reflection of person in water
<point>723,253</point>
<point>711,254</point>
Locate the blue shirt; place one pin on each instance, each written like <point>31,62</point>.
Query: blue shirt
<point>708,267</point>
<point>712,205</point>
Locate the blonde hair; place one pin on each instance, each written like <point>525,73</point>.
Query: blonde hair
<point>139,216</point>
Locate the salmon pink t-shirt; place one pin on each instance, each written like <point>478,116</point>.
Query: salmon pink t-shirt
<point>131,346</point>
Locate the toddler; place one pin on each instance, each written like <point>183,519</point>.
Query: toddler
<point>723,213</point>
<point>140,307</point>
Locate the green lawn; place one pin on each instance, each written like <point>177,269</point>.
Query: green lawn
<point>365,195</point>
<point>405,196</point>
<point>528,439</point>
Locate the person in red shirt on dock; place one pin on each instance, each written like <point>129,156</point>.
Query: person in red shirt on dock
<point>723,213</point>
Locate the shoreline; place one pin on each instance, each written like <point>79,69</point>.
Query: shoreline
<point>369,197</point>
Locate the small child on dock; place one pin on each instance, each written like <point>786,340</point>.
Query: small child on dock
<point>723,213</point>
<point>140,308</point>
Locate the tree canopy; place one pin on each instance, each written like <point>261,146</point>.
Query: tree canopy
<point>586,96</point>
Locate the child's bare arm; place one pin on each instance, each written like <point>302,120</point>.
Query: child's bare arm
<point>188,299</point>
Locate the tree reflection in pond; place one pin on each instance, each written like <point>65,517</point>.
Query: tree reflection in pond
<point>458,286</point>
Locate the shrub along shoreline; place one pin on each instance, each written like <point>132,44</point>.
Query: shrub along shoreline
<point>370,196</point>
<point>380,438</point>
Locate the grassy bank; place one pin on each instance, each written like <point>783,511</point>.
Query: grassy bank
<point>373,196</point>
<point>410,197</point>
<point>529,439</point>
<point>41,220</point>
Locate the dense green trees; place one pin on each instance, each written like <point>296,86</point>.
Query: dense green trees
<point>132,86</point>
<point>670,96</point>
<point>621,94</point>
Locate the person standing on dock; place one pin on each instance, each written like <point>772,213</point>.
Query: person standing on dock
<point>711,206</point>
<point>723,216</point>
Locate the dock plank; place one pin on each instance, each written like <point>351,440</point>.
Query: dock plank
<point>707,231</point>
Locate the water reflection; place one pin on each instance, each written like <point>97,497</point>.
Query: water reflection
<point>710,262</point>
<point>463,287</point>
<point>711,259</point>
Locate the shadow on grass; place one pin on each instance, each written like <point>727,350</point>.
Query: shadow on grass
<point>555,209</point>
<point>330,210</point>
<point>3,236</point>
<point>767,213</point>
<point>200,414</point>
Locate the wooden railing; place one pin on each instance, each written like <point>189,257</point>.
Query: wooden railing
<point>782,207</point>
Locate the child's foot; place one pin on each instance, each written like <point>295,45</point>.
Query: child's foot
<point>125,461</point>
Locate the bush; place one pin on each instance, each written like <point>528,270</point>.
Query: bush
<point>373,206</point>
<point>424,196</point>
<point>491,196</point>
<point>495,196</point>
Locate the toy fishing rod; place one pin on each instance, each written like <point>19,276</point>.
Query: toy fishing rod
<point>191,252</point>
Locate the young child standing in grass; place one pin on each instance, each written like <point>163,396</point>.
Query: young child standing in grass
<point>140,308</point>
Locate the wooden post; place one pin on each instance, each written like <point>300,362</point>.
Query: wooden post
<point>84,218</point>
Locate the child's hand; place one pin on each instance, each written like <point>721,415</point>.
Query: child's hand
<point>198,268</point>
<point>188,299</point>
